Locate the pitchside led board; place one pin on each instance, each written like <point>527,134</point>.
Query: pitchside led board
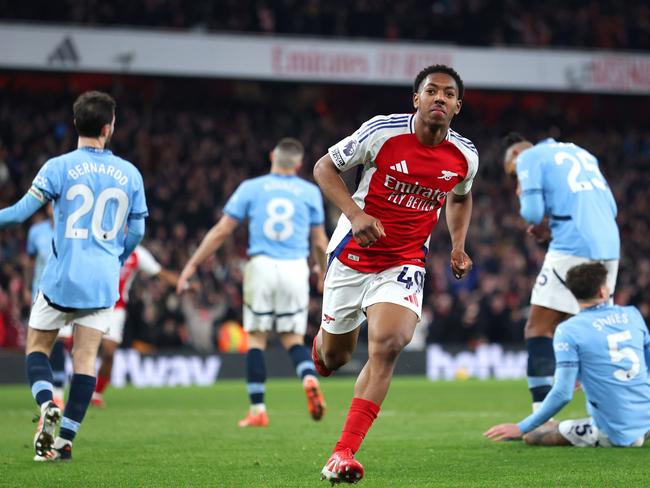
<point>174,369</point>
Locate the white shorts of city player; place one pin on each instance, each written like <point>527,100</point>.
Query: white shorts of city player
<point>276,291</point>
<point>46,317</point>
<point>550,290</point>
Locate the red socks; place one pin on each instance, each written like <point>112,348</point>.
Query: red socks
<point>361,415</point>
<point>102,383</point>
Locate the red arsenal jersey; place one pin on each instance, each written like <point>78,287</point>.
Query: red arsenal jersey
<point>139,260</point>
<point>404,184</point>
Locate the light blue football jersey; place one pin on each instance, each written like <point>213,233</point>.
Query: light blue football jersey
<point>280,211</point>
<point>609,344</point>
<point>576,196</point>
<point>94,193</point>
<point>39,246</point>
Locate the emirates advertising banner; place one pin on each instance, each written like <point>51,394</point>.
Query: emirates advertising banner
<point>147,52</point>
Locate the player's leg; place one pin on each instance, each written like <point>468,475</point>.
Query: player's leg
<point>342,315</point>
<point>306,371</point>
<point>107,352</point>
<point>551,303</point>
<point>110,343</point>
<point>57,361</point>
<point>44,324</point>
<point>82,385</point>
<point>291,303</point>
<point>392,300</point>
<point>390,329</point>
<point>256,381</point>
<point>258,287</point>
<point>538,333</point>
<point>546,435</point>
<point>39,375</point>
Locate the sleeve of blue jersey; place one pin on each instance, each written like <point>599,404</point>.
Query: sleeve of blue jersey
<point>237,205</point>
<point>20,211</point>
<point>561,394</point>
<point>316,210</point>
<point>532,207</point>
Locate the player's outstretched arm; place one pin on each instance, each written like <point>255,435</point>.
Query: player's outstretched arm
<point>557,398</point>
<point>210,243</point>
<point>20,211</point>
<point>459,213</point>
<point>366,229</point>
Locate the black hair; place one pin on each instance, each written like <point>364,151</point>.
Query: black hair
<point>507,141</point>
<point>93,110</point>
<point>439,68</point>
<point>585,280</point>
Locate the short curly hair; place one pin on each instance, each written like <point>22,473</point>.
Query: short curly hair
<point>439,68</point>
<point>584,280</point>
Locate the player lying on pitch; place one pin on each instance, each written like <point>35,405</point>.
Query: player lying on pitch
<point>607,348</point>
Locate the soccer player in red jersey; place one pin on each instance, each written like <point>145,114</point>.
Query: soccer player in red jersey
<point>411,164</point>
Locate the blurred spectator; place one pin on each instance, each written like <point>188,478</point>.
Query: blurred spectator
<point>607,24</point>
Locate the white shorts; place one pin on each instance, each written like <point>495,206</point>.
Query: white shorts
<point>276,291</point>
<point>551,292</point>
<point>584,433</point>
<point>46,317</point>
<point>348,293</point>
<point>115,331</point>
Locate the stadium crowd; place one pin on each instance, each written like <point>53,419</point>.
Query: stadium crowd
<point>608,24</point>
<point>195,140</point>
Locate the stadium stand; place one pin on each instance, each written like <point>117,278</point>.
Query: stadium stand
<point>607,24</point>
<point>194,140</point>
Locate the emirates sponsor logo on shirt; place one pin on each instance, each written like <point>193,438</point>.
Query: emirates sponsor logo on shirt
<point>413,195</point>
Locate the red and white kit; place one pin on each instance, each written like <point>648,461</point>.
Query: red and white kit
<point>139,260</point>
<point>404,184</point>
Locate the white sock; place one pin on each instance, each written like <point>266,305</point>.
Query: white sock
<point>59,442</point>
<point>58,392</point>
<point>258,408</point>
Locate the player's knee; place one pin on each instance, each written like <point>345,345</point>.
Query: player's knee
<point>529,439</point>
<point>390,348</point>
<point>334,359</point>
<point>537,329</point>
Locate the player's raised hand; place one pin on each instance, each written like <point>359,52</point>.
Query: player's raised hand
<point>183,279</point>
<point>504,432</point>
<point>366,229</point>
<point>461,263</point>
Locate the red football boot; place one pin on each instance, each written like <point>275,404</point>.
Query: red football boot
<point>315,398</point>
<point>341,467</point>
<point>318,362</point>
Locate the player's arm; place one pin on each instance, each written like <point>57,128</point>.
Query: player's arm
<point>210,243</point>
<point>134,234</point>
<point>169,277</point>
<point>365,228</point>
<point>23,209</point>
<point>459,212</point>
<point>319,243</point>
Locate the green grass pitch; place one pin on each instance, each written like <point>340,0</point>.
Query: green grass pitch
<point>428,434</point>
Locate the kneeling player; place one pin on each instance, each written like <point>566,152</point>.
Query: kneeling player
<point>606,347</point>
